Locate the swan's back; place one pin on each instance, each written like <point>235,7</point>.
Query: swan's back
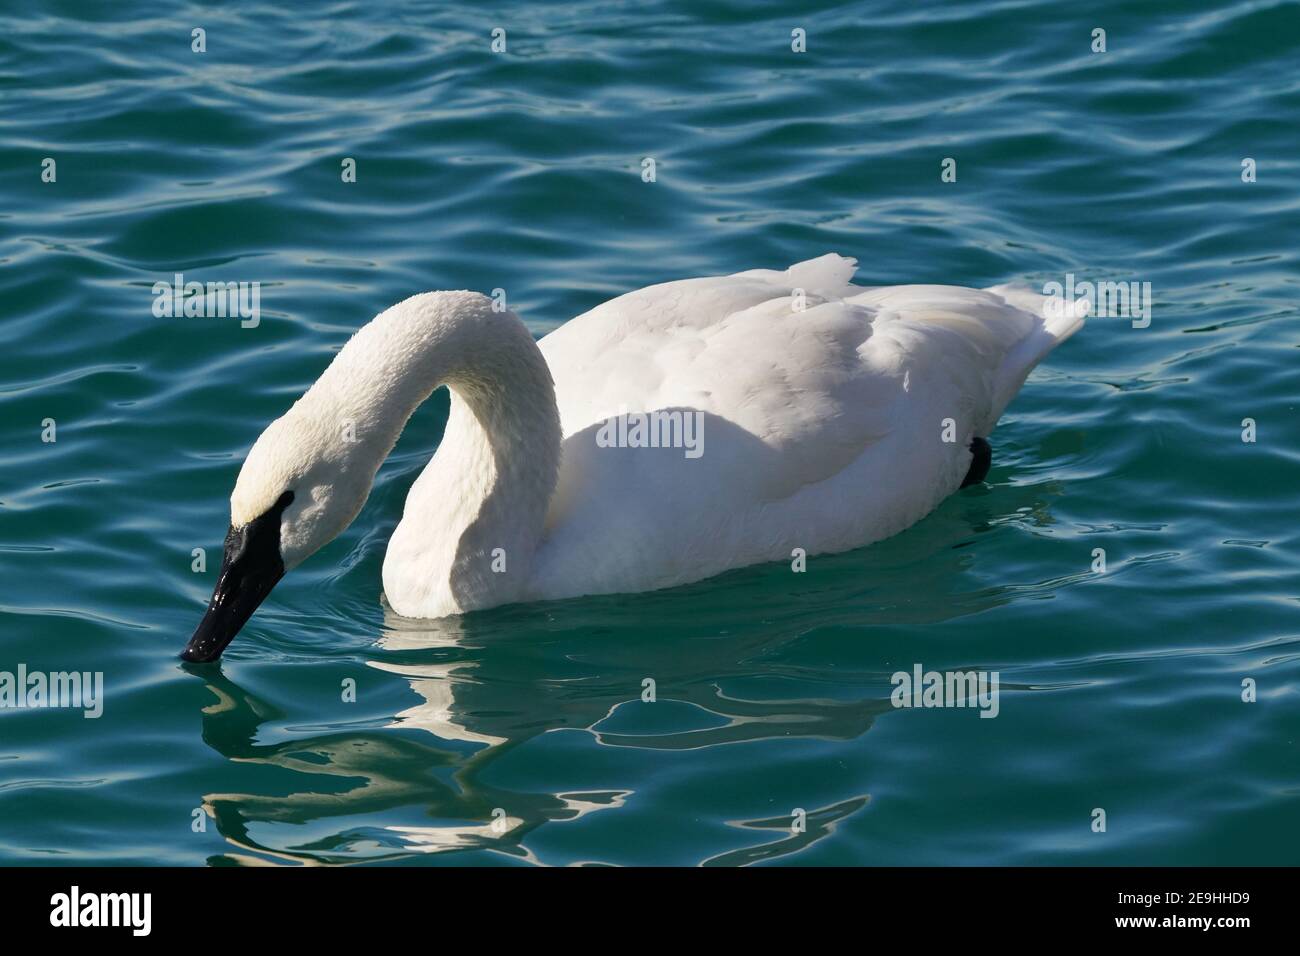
<point>822,428</point>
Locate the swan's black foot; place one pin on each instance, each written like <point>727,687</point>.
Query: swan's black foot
<point>979,464</point>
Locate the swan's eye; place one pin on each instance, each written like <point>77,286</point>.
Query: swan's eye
<point>284,501</point>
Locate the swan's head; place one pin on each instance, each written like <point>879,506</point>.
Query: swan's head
<point>302,483</point>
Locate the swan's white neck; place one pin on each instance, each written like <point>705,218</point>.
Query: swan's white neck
<point>474,517</point>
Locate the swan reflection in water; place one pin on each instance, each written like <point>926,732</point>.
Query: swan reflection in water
<point>465,724</point>
<point>479,687</point>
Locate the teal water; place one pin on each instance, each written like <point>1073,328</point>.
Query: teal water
<point>1120,690</point>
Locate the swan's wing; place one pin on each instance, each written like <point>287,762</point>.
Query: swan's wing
<point>802,360</point>
<point>976,345</point>
<point>823,428</point>
<point>735,348</point>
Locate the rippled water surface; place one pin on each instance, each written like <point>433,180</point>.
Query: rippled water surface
<point>522,170</point>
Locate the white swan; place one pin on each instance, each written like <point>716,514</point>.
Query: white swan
<point>830,416</point>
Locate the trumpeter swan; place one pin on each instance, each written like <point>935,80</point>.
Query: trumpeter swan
<point>663,437</point>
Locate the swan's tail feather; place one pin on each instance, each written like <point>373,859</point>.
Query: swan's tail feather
<point>1062,319</point>
<point>1057,321</point>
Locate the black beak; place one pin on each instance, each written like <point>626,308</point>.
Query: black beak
<point>250,568</point>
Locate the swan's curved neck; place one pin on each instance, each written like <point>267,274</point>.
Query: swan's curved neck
<point>474,517</point>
